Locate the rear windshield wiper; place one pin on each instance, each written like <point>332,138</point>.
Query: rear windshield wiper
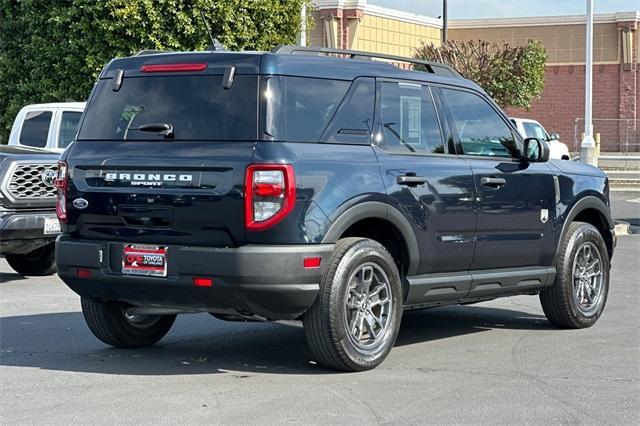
<point>163,129</point>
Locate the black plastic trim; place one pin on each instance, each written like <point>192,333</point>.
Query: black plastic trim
<point>478,284</point>
<point>588,202</point>
<point>378,210</point>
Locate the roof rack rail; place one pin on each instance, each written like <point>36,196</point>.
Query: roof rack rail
<point>151,52</point>
<point>432,67</point>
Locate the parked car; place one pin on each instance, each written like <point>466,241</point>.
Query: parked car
<point>48,126</point>
<point>533,129</point>
<point>28,222</point>
<point>339,191</point>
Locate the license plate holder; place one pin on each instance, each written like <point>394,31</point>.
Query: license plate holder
<point>51,226</point>
<point>144,260</point>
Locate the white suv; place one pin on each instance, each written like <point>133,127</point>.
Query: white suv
<point>533,129</point>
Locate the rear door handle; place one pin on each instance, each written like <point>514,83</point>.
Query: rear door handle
<point>411,180</point>
<point>493,182</point>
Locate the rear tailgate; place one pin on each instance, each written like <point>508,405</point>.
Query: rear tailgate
<point>162,150</point>
<point>150,192</point>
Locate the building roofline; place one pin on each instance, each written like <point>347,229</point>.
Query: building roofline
<point>380,11</point>
<point>600,18</point>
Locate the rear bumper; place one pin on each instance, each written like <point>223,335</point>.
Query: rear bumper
<point>23,232</point>
<point>268,281</point>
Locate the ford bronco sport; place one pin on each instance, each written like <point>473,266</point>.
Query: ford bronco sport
<point>318,185</point>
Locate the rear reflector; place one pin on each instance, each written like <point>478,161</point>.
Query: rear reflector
<point>202,282</point>
<point>311,262</point>
<point>174,67</point>
<point>83,273</point>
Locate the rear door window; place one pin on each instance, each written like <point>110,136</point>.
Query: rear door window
<point>409,120</point>
<point>197,107</point>
<point>68,128</point>
<point>35,129</point>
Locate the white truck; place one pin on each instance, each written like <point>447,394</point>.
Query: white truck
<point>28,222</point>
<point>47,126</point>
<point>533,129</point>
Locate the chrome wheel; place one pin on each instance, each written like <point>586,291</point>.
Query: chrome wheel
<point>368,307</point>
<point>587,279</point>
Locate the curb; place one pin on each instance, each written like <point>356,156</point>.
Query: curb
<point>622,228</point>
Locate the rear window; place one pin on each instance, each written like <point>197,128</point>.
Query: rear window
<point>197,107</point>
<point>35,129</point>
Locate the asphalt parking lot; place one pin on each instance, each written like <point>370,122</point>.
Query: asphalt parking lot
<point>495,362</point>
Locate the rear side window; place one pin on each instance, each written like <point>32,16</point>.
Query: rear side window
<point>481,131</point>
<point>197,107</point>
<point>68,128</point>
<point>352,122</point>
<point>35,129</point>
<point>409,120</point>
<point>298,109</point>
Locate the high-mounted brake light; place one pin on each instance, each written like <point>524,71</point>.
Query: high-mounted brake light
<point>269,194</point>
<point>61,183</point>
<point>183,67</point>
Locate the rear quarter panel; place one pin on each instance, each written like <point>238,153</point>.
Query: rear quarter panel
<point>329,178</point>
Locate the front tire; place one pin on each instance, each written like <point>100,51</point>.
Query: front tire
<point>579,294</point>
<point>355,319</point>
<point>37,263</point>
<point>114,326</point>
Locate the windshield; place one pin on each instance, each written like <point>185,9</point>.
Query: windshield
<point>534,130</point>
<point>196,107</point>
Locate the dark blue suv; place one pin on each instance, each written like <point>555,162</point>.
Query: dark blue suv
<point>318,185</point>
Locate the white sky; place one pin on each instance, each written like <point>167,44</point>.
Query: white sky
<point>469,9</point>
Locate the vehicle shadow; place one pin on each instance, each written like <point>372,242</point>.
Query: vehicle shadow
<point>200,344</point>
<point>6,277</point>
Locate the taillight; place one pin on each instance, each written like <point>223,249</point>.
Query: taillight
<point>270,194</point>
<point>62,180</point>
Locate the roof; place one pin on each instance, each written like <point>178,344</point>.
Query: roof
<point>267,63</point>
<point>63,105</point>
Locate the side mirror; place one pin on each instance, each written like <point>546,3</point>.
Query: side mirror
<point>536,151</point>
<point>554,137</point>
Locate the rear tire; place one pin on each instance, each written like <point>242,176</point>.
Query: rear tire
<point>355,319</point>
<point>37,263</point>
<point>579,293</point>
<point>111,324</point>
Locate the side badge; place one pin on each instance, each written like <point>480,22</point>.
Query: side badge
<point>544,215</point>
<point>80,203</point>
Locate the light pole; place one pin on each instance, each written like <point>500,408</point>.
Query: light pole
<point>445,23</point>
<point>587,148</point>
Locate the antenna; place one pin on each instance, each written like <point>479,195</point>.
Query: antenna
<point>213,40</point>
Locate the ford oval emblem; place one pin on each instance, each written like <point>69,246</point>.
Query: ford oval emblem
<point>80,203</point>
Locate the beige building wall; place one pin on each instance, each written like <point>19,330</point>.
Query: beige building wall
<point>392,36</point>
<point>564,43</point>
<point>358,25</point>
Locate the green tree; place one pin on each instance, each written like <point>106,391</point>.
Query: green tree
<point>512,75</point>
<point>53,50</point>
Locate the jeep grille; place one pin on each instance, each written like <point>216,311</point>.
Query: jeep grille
<point>26,182</point>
